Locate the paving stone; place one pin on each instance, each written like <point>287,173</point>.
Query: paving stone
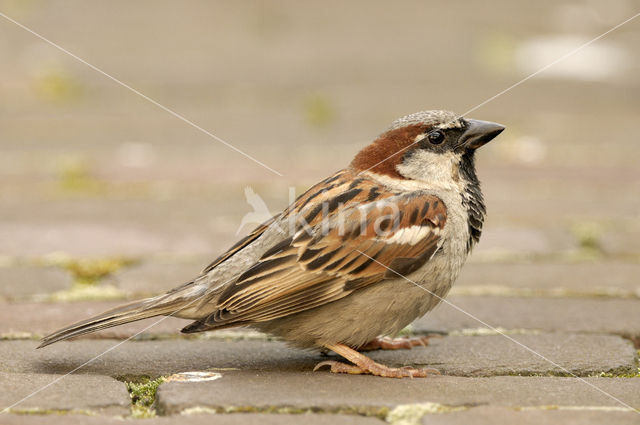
<point>40,319</point>
<point>499,415</point>
<point>18,282</point>
<point>329,391</point>
<point>520,240</point>
<point>579,354</point>
<point>152,358</point>
<point>598,315</point>
<point>116,228</point>
<point>624,241</point>
<point>457,355</point>
<point>198,419</point>
<point>602,278</point>
<point>514,191</point>
<point>99,394</point>
<point>513,236</point>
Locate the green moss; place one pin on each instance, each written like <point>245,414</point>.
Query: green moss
<point>542,407</point>
<point>622,372</point>
<point>90,271</point>
<point>411,414</point>
<point>85,292</point>
<point>377,412</point>
<point>13,336</point>
<point>41,412</point>
<point>74,177</point>
<point>529,374</point>
<point>86,274</point>
<point>318,111</point>
<point>143,396</point>
<point>55,84</point>
<point>620,375</point>
<point>496,52</point>
<point>588,235</point>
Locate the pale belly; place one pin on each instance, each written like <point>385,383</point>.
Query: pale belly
<point>383,308</point>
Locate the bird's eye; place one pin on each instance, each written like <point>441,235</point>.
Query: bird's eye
<point>436,137</point>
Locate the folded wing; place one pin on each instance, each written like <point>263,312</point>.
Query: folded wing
<point>336,253</point>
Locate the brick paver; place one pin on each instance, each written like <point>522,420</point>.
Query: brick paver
<point>39,319</point>
<point>89,394</point>
<point>603,278</point>
<point>20,282</point>
<point>582,355</point>
<point>498,416</point>
<point>599,315</point>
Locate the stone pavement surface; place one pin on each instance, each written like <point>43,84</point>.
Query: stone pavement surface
<point>204,419</point>
<point>81,394</point>
<point>105,198</point>
<point>582,355</point>
<point>263,390</point>
<point>496,415</point>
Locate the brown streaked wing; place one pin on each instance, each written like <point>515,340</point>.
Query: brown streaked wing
<point>315,270</point>
<point>337,179</point>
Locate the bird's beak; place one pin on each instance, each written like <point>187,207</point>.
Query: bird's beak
<point>479,133</point>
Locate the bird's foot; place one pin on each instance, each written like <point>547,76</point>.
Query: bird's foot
<point>364,365</point>
<point>377,369</point>
<point>404,343</point>
<point>339,367</point>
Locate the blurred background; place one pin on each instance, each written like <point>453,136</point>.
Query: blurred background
<point>126,197</point>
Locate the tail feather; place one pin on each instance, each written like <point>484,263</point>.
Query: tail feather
<point>157,306</point>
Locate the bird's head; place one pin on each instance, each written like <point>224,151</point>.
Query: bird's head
<point>431,146</point>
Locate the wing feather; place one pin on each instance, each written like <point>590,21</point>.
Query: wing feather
<point>324,260</point>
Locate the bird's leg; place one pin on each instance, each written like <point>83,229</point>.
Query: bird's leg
<point>363,365</point>
<point>386,343</point>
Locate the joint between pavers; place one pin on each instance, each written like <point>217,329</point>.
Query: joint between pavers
<point>88,271</point>
<point>143,392</point>
<point>577,408</point>
<point>368,411</point>
<point>620,374</point>
<point>19,336</point>
<point>495,331</point>
<point>411,414</point>
<point>633,338</point>
<point>559,292</point>
<point>43,412</point>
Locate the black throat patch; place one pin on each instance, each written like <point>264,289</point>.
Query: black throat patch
<point>472,198</point>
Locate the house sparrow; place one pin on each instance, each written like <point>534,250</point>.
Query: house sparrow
<point>329,271</point>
